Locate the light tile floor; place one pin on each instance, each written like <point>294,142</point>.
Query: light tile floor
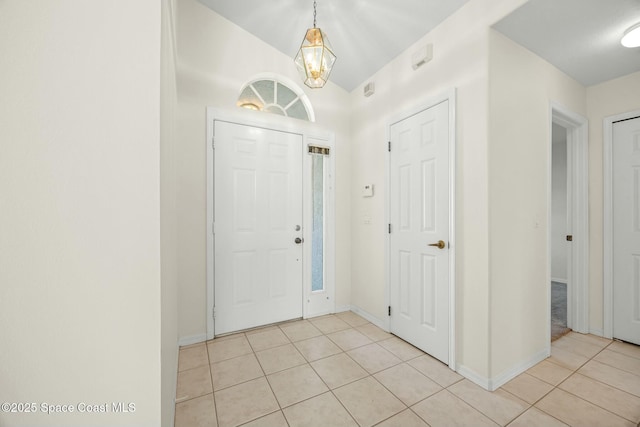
<point>341,370</point>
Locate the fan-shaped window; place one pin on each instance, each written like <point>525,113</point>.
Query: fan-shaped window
<point>275,96</point>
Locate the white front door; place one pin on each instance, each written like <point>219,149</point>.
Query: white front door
<point>419,215</point>
<point>258,217</point>
<point>626,230</point>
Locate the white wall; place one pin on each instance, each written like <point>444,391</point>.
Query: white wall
<point>559,259</point>
<point>168,216</point>
<point>606,99</point>
<point>522,87</point>
<point>211,72</point>
<point>80,209</point>
<point>460,46</point>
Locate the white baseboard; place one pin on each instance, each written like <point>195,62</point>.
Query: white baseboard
<point>492,384</point>
<point>563,281</point>
<point>598,332</point>
<point>506,376</point>
<point>343,308</point>
<point>192,339</point>
<point>371,318</point>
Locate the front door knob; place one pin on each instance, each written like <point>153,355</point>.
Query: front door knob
<point>440,244</point>
<point>299,240</point>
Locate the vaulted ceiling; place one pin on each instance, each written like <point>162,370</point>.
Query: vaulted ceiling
<point>580,37</point>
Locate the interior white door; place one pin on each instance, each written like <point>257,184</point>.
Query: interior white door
<point>258,217</point>
<point>419,214</point>
<point>626,230</point>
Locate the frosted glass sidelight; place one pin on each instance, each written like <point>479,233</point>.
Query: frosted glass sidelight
<point>317,233</point>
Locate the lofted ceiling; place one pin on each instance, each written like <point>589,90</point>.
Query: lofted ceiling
<point>580,37</point>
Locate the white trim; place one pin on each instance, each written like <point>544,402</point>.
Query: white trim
<point>282,124</point>
<point>492,384</point>
<point>578,194</point>
<point>555,279</point>
<point>597,332</point>
<point>450,96</point>
<point>192,339</point>
<point>608,218</point>
<point>371,318</point>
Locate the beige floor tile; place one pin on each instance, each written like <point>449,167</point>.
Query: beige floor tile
<point>329,324</point>
<point>267,339</point>
<point>579,346</point>
<point>407,384</point>
<point>368,401</point>
<point>261,329</point>
<point>192,383</point>
<point>338,370</point>
<point>549,372</point>
<point>406,418</point>
<point>320,411</point>
<point>536,418</point>
<point>577,412</point>
<point>625,348</point>
<point>619,360</point>
<point>244,402</point>
<point>374,358</point>
<point>501,406</point>
<point>317,348</point>
<point>447,410</point>
<point>228,348</point>
<point>296,384</point>
<point>280,358</point>
<point>401,349</point>
<point>612,376</point>
<point>592,339</point>
<point>299,331</point>
<point>566,359</point>
<point>272,420</point>
<point>193,357</point>
<point>352,318</point>
<point>613,400</point>
<point>225,337</point>
<point>373,332</point>
<point>349,339</point>
<point>198,412</point>
<point>528,388</point>
<point>235,371</point>
<point>435,370</point>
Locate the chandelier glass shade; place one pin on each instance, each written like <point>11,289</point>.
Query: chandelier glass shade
<point>315,58</point>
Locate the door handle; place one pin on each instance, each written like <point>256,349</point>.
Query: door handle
<point>298,240</point>
<point>440,244</point>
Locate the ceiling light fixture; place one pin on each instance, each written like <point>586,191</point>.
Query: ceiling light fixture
<point>315,58</point>
<point>631,37</point>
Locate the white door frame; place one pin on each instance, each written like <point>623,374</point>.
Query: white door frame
<point>311,133</point>
<point>608,217</point>
<point>578,196</point>
<point>448,95</point>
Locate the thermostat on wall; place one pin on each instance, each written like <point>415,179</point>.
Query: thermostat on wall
<point>367,190</point>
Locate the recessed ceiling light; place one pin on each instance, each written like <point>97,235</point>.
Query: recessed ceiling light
<point>631,37</point>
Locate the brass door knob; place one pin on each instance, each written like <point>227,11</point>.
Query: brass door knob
<point>440,244</point>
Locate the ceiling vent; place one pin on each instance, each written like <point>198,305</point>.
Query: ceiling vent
<point>422,56</point>
<point>369,89</point>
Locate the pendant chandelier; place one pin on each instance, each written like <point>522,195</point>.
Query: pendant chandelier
<point>315,58</point>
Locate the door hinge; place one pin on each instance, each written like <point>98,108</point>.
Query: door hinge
<point>389,310</point>
<point>389,228</point>
<point>389,147</point>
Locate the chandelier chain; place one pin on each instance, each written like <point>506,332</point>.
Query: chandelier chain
<point>314,14</point>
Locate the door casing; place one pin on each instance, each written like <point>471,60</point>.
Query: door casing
<point>448,95</point>
<point>578,217</point>
<point>312,134</point>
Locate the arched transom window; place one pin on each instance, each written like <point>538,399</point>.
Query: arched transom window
<point>273,95</point>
